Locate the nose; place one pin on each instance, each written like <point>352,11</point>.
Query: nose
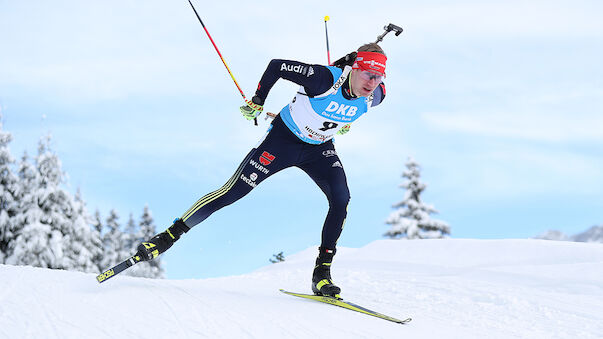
<point>372,81</point>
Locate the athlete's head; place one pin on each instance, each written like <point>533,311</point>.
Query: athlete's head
<point>368,70</point>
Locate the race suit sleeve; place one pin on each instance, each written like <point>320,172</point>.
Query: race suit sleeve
<point>316,79</point>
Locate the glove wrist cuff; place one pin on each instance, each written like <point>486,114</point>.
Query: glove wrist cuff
<point>255,106</point>
<point>257,100</point>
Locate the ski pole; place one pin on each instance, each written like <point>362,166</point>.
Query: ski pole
<point>327,37</point>
<point>220,55</point>
<point>272,115</point>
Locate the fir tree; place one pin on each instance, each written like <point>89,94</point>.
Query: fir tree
<point>147,225</point>
<point>41,217</point>
<point>28,177</point>
<point>82,244</point>
<point>97,230</point>
<point>153,268</point>
<point>113,244</point>
<point>8,191</point>
<point>42,225</point>
<point>131,235</point>
<point>411,218</point>
<point>280,257</point>
<point>131,241</point>
<point>52,228</point>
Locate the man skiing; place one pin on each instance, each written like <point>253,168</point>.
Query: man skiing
<point>329,99</point>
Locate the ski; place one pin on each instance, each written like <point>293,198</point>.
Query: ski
<point>347,305</point>
<point>122,266</point>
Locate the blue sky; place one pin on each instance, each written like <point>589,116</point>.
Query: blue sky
<point>500,102</point>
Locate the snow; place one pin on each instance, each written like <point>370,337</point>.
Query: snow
<point>452,288</point>
<point>593,234</point>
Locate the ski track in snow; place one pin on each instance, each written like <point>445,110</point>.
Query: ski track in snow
<point>452,288</point>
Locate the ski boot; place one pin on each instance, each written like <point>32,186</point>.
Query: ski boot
<point>161,242</point>
<point>321,277</point>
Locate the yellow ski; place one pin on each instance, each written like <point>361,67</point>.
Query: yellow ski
<point>346,304</point>
<point>122,266</point>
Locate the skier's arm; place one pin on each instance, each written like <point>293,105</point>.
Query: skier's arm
<point>315,79</point>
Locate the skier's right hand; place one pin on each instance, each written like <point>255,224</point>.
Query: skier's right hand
<point>253,108</point>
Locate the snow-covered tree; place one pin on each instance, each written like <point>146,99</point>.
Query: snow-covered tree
<point>43,208</point>
<point>28,177</point>
<point>147,224</point>
<point>411,218</point>
<point>42,225</point>
<point>113,242</point>
<point>82,243</point>
<point>131,235</point>
<point>276,258</point>
<point>51,229</point>
<point>97,230</point>
<point>8,191</point>
<point>147,229</point>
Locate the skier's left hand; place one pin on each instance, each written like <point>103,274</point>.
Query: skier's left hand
<point>344,129</point>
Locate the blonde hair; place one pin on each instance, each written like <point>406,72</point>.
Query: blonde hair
<point>371,47</point>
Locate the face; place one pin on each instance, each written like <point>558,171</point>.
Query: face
<point>363,83</point>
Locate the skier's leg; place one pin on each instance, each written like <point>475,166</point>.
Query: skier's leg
<point>277,151</point>
<point>325,168</point>
<point>270,156</point>
<point>239,184</point>
<point>161,242</point>
<point>322,283</point>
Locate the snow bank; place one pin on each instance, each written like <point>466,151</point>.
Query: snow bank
<point>451,288</point>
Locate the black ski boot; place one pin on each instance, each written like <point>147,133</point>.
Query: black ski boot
<point>321,278</point>
<point>162,242</point>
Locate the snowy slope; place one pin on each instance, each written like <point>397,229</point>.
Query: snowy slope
<point>593,234</point>
<point>451,289</point>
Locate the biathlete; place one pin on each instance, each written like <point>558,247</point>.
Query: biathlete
<point>329,99</point>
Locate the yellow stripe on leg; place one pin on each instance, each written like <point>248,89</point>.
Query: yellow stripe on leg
<point>206,199</point>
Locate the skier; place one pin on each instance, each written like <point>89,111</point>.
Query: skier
<point>328,100</point>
